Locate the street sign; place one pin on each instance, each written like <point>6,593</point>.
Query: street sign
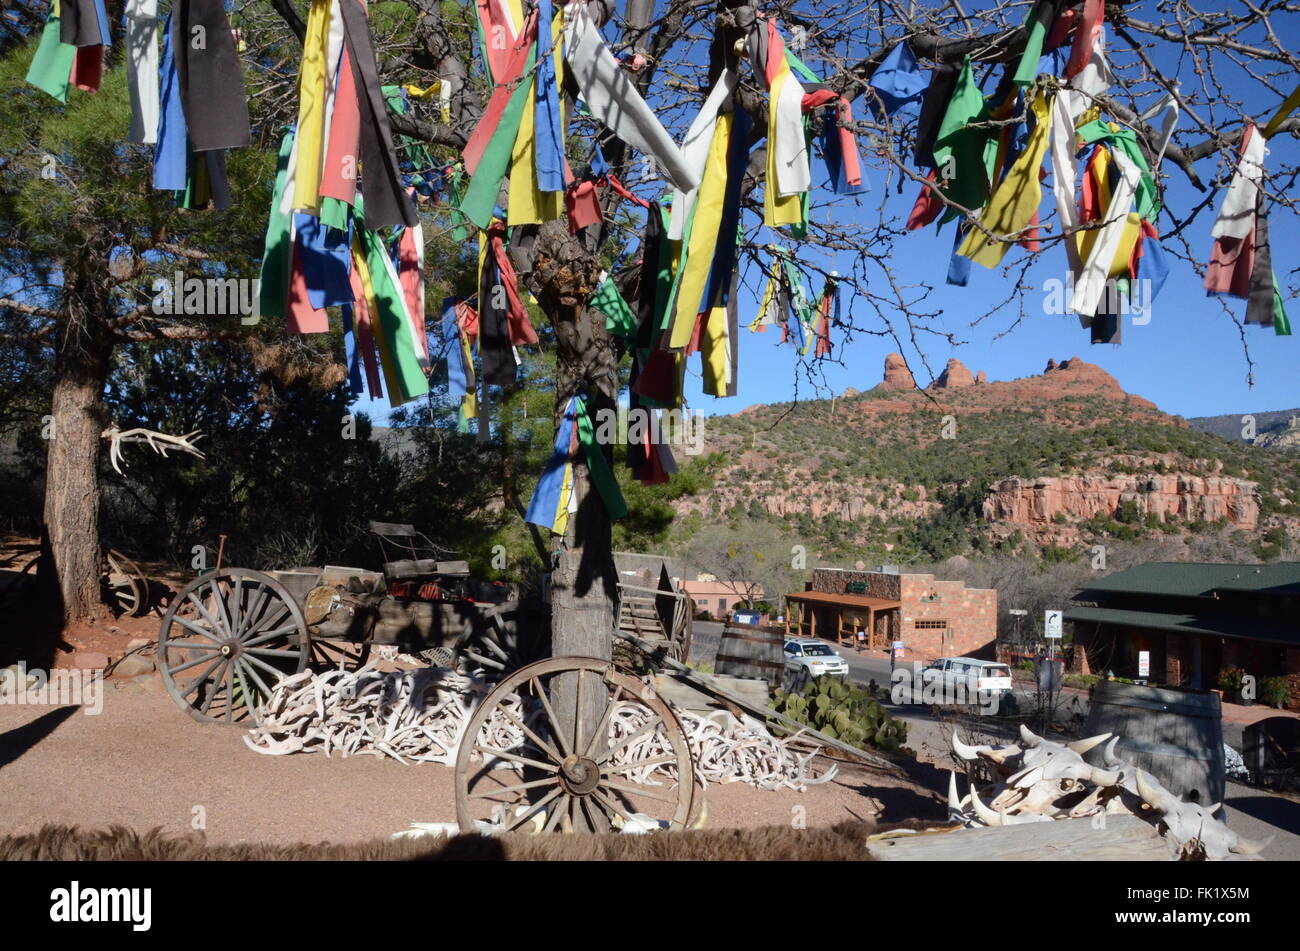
<point>1144,663</point>
<point>1052,624</point>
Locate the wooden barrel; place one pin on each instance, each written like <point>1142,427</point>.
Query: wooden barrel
<point>1175,735</point>
<point>746,650</point>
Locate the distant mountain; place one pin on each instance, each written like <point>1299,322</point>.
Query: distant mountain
<point>1271,428</point>
<point>1062,459</point>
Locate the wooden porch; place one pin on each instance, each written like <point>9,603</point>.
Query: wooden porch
<point>842,616</point>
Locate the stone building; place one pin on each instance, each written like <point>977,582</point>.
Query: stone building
<point>933,618</point>
<point>1192,620</point>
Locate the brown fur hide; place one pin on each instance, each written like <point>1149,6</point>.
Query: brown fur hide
<point>844,842</point>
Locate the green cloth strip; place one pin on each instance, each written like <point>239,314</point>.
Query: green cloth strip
<point>619,319</point>
<point>598,466</point>
<point>480,200</point>
<point>393,321</point>
<point>51,67</point>
<point>277,256</point>
<point>1148,201</point>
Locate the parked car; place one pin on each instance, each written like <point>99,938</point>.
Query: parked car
<point>815,656</point>
<point>988,677</point>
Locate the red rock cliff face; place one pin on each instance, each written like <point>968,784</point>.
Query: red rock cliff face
<point>1032,503</point>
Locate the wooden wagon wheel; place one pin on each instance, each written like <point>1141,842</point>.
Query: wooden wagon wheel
<point>517,768</point>
<point>228,637</point>
<point>128,588</point>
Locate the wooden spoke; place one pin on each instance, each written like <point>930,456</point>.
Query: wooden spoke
<point>629,739</point>
<point>550,715</point>
<point>603,728</point>
<point>639,791</point>
<point>532,810</point>
<point>250,608</point>
<point>502,754</point>
<point>487,794</point>
<point>581,791</point>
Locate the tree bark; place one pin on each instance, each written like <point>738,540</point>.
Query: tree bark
<point>70,570</point>
<point>584,582</point>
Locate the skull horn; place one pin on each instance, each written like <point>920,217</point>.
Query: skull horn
<point>954,801</point>
<point>1082,746</point>
<point>1108,754</point>
<point>1029,737</point>
<point>1153,794</point>
<point>964,750</point>
<point>985,814</point>
<point>1104,777</point>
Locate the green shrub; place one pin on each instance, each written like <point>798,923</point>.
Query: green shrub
<point>1275,691</point>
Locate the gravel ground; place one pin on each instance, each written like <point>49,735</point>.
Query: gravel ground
<point>143,763</point>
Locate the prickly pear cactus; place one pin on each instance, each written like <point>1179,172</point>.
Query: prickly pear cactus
<point>844,712</point>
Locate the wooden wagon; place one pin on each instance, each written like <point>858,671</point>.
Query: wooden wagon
<point>552,744</point>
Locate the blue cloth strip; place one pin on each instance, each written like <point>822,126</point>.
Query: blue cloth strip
<point>545,503</point>
<point>326,255</point>
<point>958,266</point>
<point>352,353</point>
<point>457,379</point>
<point>169,156</point>
<point>897,80</point>
<point>547,132</point>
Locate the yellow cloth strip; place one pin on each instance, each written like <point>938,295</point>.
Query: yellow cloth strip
<point>715,352</point>
<point>392,381</point>
<point>526,203</point>
<point>561,524</point>
<point>311,109</point>
<point>769,292</point>
<point>1016,197</point>
<point>703,239</point>
<point>1084,240</point>
<point>777,210</point>
<point>1288,107</point>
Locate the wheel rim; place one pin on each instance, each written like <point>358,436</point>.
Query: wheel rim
<point>125,584</point>
<point>518,768</point>
<point>227,639</point>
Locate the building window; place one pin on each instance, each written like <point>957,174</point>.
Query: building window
<point>931,625</point>
<point>722,605</point>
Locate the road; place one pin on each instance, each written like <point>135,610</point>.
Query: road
<point>1254,813</point>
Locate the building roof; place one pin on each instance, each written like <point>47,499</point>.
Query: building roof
<point>740,589</point>
<point>843,600</point>
<point>1250,629</point>
<point>1198,579</point>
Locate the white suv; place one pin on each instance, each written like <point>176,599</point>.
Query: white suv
<point>815,656</point>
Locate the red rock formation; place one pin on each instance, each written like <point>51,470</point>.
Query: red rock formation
<point>954,375</point>
<point>980,377</point>
<point>1034,503</point>
<point>897,375</point>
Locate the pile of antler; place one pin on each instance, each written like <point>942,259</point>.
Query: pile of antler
<point>413,716</point>
<point>724,749</point>
<point>1041,781</point>
<point>419,716</point>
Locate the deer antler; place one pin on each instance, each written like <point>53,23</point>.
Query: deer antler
<point>158,442</point>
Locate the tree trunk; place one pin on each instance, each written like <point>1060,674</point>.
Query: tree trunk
<point>70,543</point>
<point>584,582</point>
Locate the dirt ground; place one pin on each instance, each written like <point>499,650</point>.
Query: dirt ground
<point>143,763</point>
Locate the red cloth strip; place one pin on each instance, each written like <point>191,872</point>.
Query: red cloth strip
<point>87,68</point>
<point>303,318</point>
<point>1085,36</point>
<point>339,176</point>
<point>496,107</point>
<point>927,208</point>
<point>521,328</point>
<point>583,204</point>
<point>365,336</point>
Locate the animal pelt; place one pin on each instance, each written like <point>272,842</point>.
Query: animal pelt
<point>844,842</point>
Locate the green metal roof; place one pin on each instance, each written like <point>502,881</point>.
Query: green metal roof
<point>1200,580</point>
<point>1249,629</point>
